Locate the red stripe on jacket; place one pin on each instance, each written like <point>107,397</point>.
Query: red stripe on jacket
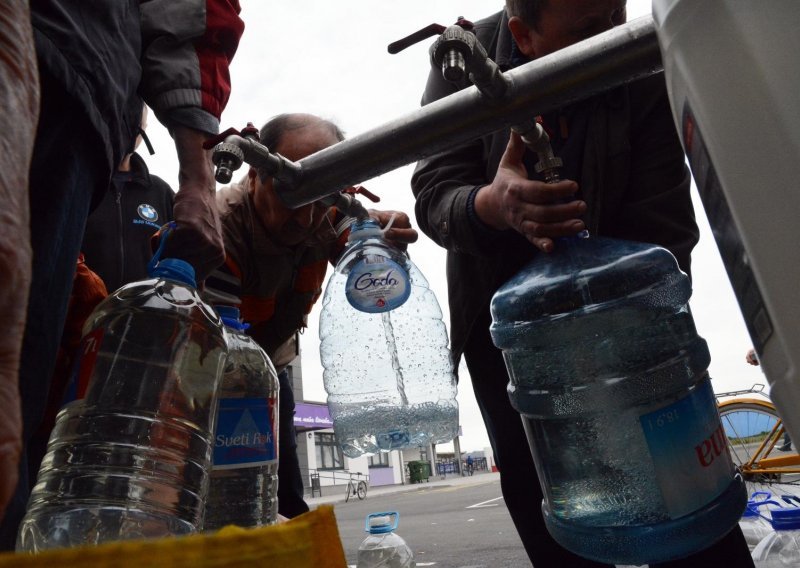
<point>215,50</point>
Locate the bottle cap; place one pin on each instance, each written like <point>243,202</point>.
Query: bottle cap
<point>381,523</point>
<point>174,269</point>
<point>231,317</point>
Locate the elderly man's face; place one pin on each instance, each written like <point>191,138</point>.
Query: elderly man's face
<point>565,22</point>
<point>291,226</point>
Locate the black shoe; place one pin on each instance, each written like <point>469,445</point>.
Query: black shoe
<point>785,447</point>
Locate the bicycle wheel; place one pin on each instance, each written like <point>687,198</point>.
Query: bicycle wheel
<point>347,492</point>
<point>361,491</point>
<point>748,424</point>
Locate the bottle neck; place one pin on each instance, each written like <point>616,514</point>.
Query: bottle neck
<point>364,229</point>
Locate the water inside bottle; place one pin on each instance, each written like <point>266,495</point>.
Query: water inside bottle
<point>131,459</point>
<point>389,375</point>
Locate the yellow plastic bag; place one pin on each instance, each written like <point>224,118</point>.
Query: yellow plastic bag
<point>308,541</point>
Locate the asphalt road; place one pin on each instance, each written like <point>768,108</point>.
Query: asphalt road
<point>447,526</point>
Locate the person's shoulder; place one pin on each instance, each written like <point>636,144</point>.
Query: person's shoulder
<point>486,27</point>
<point>648,88</point>
<point>490,21</point>
<point>161,185</point>
<point>231,198</point>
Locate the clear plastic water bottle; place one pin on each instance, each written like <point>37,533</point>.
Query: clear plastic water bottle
<point>383,344</point>
<point>611,379</point>
<point>383,548</point>
<point>754,523</point>
<point>781,548</point>
<point>131,458</point>
<point>244,476</point>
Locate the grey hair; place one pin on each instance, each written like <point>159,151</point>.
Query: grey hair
<point>276,128</point>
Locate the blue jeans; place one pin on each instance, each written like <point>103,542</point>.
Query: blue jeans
<point>66,169</point>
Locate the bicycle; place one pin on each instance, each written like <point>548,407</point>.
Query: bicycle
<point>353,488</point>
<point>755,435</point>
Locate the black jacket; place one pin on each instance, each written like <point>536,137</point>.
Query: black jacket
<point>632,175</point>
<point>106,54</point>
<point>116,244</point>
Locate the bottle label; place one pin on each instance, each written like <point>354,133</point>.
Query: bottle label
<point>83,366</point>
<point>690,451</point>
<point>245,434</point>
<point>377,284</point>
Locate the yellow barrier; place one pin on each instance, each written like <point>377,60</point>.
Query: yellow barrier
<point>308,541</point>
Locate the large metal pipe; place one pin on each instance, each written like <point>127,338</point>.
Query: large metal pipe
<point>618,56</point>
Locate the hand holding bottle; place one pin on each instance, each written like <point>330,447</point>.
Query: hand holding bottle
<point>537,210</point>
<point>400,233</point>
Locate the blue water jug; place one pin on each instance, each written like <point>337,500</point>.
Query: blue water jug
<point>610,377</point>
<point>131,458</point>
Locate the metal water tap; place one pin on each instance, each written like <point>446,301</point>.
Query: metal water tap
<point>459,54</point>
<point>537,140</point>
<point>233,148</point>
<point>347,205</point>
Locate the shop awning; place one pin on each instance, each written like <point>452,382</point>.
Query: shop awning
<point>311,416</point>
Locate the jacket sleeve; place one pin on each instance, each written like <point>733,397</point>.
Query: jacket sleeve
<point>187,47</point>
<point>442,185</point>
<point>657,205</point>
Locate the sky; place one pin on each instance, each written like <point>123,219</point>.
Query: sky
<point>330,59</point>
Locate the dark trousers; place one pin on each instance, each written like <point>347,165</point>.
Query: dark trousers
<point>66,169</point>
<point>290,480</point>
<point>520,483</point>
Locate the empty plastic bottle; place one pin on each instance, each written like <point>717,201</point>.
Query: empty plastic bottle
<point>131,459</point>
<point>388,370</point>
<point>781,548</point>
<point>383,548</point>
<point>610,376</point>
<point>754,524</point>
<point>244,476</point>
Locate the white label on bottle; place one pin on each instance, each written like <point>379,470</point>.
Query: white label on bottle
<point>377,284</point>
<point>690,451</point>
<point>245,434</point>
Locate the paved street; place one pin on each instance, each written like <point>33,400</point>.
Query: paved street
<point>458,522</point>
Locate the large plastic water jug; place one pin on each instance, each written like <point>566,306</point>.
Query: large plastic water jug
<point>131,458</point>
<point>388,370</point>
<point>384,548</point>
<point>244,477</point>
<point>609,374</point>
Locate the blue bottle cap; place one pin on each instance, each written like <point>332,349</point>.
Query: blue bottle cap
<point>231,317</point>
<point>174,269</point>
<point>381,523</point>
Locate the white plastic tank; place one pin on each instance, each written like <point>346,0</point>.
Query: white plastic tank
<point>733,75</point>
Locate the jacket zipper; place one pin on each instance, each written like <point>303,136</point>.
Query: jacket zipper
<point>121,264</point>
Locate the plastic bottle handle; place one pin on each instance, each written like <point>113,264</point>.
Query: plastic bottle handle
<point>389,514</point>
<point>389,224</point>
<point>161,242</point>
